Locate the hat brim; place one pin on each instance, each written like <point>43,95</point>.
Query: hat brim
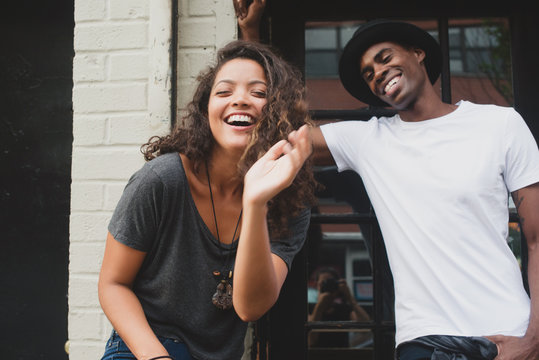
<point>379,31</point>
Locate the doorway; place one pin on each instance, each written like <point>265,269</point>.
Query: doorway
<point>36,130</point>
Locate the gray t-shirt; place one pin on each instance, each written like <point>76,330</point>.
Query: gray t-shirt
<point>156,214</point>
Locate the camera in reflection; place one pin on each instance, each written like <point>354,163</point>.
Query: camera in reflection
<point>329,285</point>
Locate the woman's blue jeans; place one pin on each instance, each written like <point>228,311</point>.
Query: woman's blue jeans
<point>116,349</point>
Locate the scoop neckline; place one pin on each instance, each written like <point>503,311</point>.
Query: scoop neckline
<point>231,246</point>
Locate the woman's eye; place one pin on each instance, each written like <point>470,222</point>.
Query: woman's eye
<point>222,92</point>
<point>261,94</point>
<point>386,59</point>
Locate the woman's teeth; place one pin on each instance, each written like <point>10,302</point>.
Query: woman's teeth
<point>239,120</point>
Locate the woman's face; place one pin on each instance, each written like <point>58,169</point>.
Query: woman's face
<point>236,100</point>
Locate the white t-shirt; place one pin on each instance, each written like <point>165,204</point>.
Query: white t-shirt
<point>440,191</point>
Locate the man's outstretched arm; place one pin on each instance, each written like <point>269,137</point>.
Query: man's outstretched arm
<point>321,154</point>
<point>527,347</point>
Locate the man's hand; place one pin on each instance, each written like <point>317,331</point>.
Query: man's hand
<point>249,18</point>
<point>515,348</point>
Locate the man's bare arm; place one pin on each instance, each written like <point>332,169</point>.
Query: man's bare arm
<point>527,347</point>
<point>321,154</point>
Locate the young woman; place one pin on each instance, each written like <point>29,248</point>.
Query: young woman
<point>205,232</point>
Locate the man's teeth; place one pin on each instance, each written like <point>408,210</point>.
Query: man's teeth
<point>391,83</point>
<point>241,120</point>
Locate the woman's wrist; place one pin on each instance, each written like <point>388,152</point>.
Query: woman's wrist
<point>251,204</point>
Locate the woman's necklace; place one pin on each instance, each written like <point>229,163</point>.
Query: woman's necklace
<point>223,294</point>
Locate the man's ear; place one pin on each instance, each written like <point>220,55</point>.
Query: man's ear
<point>420,54</point>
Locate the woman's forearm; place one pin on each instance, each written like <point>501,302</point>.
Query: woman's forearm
<point>258,275</point>
<point>124,311</point>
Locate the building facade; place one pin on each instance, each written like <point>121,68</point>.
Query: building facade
<point>116,72</point>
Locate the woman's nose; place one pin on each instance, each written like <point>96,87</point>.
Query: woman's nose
<point>240,99</point>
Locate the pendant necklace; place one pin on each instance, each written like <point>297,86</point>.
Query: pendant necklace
<point>222,298</point>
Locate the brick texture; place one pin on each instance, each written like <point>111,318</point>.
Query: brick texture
<point>121,96</point>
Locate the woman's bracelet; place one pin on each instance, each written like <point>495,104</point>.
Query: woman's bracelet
<point>162,357</point>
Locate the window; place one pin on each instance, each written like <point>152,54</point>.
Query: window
<point>479,61</point>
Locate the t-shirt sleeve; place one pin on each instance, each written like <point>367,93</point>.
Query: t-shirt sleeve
<point>344,140</point>
<point>135,220</point>
<point>287,248</point>
<point>521,156</point>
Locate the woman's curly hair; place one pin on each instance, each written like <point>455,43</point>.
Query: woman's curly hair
<point>286,110</point>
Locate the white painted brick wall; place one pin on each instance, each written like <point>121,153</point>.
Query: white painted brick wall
<point>121,96</point>
<point>132,66</point>
<point>203,26</point>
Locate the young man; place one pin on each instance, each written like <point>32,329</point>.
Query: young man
<point>438,176</point>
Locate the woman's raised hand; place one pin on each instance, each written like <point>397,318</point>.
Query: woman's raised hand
<point>277,168</point>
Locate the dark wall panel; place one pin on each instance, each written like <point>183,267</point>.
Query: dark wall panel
<point>35,161</point>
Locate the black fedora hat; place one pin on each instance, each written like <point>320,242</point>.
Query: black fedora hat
<point>377,31</point>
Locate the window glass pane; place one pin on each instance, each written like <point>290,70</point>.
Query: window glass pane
<point>324,89</point>
<point>480,61</point>
<point>340,268</point>
<point>320,38</point>
<point>335,274</point>
<point>322,64</point>
<point>514,240</point>
<point>357,344</point>
<point>454,37</point>
<point>479,36</point>
<point>347,31</point>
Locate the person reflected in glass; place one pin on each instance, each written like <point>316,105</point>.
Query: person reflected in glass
<point>335,302</point>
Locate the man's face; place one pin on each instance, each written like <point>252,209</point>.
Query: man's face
<point>394,73</point>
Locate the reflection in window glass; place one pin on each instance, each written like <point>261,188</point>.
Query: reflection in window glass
<point>480,61</point>
<point>321,38</point>
<point>347,31</point>
<point>361,267</point>
<point>514,241</point>
<point>339,338</point>
<point>480,36</point>
<point>322,64</point>
<point>454,36</point>
<point>514,238</point>
<point>340,286</point>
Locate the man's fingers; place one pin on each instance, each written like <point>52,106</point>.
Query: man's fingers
<point>239,8</point>
<point>236,6</point>
<point>496,339</point>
